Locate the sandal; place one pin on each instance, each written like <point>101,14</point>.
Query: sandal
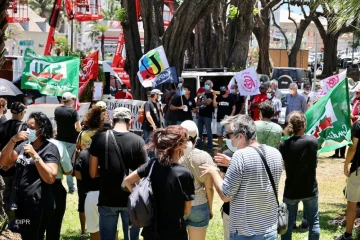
<point>83,236</point>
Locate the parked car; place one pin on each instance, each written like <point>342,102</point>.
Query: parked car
<point>287,75</point>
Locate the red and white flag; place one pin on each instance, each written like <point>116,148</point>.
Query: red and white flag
<point>89,70</point>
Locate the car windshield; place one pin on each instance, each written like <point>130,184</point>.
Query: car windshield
<point>288,72</point>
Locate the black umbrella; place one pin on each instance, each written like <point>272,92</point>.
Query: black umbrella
<point>7,88</point>
<point>30,92</point>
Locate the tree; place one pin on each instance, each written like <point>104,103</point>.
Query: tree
<point>262,34</point>
<point>97,29</point>
<point>42,7</point>
<point>111,7</point>
<point>62,46</point>
<point>331,34</point>
<point>3,27</point>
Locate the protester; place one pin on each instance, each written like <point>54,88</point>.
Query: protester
<point>68,128</point>
<point>226,107</point>
<point>3,110</point>
<point>300,159</point>
<point>7,130</point>
<point>353,181</point>
<point>239,101</point>
<point>153,117</point>
<point>201,207</point>
<point>53,230</point>
<point>172,184</point>
<point>295,102</point>
<point>206,114</point>
<point>180,86</point>
<point>267,132</point>
<point>276,102</point>
<point>262,97</point>
<point>112,198</point>
<point>170,114</point>
<point>254,194</point>
<point>183,106</point>
<point>36,162</point>
<point>306,94</point>
<point>275,87</point>
<point>123,93</point>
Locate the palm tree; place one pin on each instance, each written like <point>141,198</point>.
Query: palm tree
<point>97,29</point>
<point>111,7</point>
<point>42,7</point>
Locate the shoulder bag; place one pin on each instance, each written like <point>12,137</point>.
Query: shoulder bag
<point>283,213</point>
<point>76,153</point>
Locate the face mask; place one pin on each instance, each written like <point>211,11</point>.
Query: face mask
<point>32,135</point>
<point>124,90</point>
<point>5,111</point>
<point>222,92</point>
<point>291,92</point>
<point>307,91</point>
<point>159,98</point>
<point>207,87</point>
<point>29,101</point>
<point>269,95</point>
<point>188,149</point>
<point>183,92</point>
<point>179,85</point>
<point>230,146</point>
<point>232,91</point>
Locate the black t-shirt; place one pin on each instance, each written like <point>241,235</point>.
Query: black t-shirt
<point>206,110</point>
<point>133,155</point>
<point>181,115</point>
<point>155,114</point>
<point>7,130</point>
<point>355,132</point>
<point>172,186</point>
<point>225,106</point>
<point>238,101</point>
<point>2,120</point>
<point>300,160</point>
<point>170,114</point>
<point>82,165</point>
<point>31,186</point>
<point>65,118</point>
<point>226,206</point>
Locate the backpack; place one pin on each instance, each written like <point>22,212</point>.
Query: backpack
<point>141,202</point>
<point>141,115</point>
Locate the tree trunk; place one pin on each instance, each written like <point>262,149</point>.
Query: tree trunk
<point>133,48</point>
<point>201,42</point>
<point>181,26</point>
<point>297,45</point>
<point>238,35</point>
<point>330,54</point>
<point>103,46</point>
<point>3,27</point>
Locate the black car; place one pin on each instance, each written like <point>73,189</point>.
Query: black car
<point>286,76</point>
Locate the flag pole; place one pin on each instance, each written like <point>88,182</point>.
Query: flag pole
<point>247,105</point>
<point>182,103</point>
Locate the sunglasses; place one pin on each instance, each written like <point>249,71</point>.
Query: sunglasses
<point>227,134</point>
<point>223,88</point>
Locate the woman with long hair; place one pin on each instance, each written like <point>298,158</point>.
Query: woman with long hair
<point>172,184</point>
<point>36,161</point>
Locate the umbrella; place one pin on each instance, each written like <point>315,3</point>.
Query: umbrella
<point>29,92</point>
<point>7,88</point>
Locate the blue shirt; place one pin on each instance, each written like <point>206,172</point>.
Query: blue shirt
<point>295,103</point>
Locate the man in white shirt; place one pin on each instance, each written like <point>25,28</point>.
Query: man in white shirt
<point>306,94</point>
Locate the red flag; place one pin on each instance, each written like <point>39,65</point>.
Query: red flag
<point>89,70</point>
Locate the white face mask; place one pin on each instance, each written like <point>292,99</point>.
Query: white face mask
<point>124,90</point>
<point>291,92</point>
<point>269,95</point>
<point>32,135</point>
<point>230,146</point>
<point>159,98</point>
<point>188,149</point>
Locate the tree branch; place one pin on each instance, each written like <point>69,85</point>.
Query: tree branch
<point>284,2</point>
<point>281,30</point>
<point>290,18</point>
<point>271,4</point>
<point>320,28</point>
<point>303,10</point>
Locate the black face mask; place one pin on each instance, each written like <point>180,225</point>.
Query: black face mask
<point>5,111</point>
<point>222,92</point>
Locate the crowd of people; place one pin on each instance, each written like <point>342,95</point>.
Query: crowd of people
<point>108,160</point>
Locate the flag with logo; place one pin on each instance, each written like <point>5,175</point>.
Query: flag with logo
<point>167,76</point>
<point>330,82</point>
<point>50,75</point>
<point>151,65</point>
<point>329,119</point>
<point>89,70</point>
<point>247,81</point>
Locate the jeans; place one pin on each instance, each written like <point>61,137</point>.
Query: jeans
<point>269,236</point>
<point>146,135</point>
<point>311,211</point>
<point>170,122</point>
<point>109,217</point>
<point>70,147</point>
<point>200,124</point>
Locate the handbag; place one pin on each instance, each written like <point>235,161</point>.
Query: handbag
<point>110,132</point>
<point>76,154</point>
<point>283,213</point>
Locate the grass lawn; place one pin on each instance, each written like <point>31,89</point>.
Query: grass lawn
<point>331,182</point>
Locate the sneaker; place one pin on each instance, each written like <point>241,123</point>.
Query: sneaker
<point>71,191</point>
<point>342,237</point>
<point>294,226</point>
<point>304,225</point>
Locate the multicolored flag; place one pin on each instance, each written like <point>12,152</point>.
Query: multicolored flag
<point>169,75</point>
<point>329,119</point>
<point>50,75</point>
<point>151,65</point>
<point>89,70</point>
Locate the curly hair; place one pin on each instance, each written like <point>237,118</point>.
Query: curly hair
<point>296,122</point>
<point>44,123</point>
<point>164,141</point>
<point>94,118</point>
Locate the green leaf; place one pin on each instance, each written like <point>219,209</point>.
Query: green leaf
<point>234,12</point>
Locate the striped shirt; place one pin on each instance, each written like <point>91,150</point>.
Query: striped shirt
<point>253,207</point>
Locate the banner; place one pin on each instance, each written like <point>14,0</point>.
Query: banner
<point>248,82</point>
<point>329,119</point>
<point>167,76</point>
<point>328,83</point>
<point>89,70</point>
<point>50,75</point>
<point>151,65</point>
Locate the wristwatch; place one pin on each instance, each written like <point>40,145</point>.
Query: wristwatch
<point>37,159</point>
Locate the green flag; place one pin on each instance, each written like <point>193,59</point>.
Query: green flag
<point>50,75</point>
<point>329,119</point>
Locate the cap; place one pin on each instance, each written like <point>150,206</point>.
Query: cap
<point>191,127</point>
<point>101,105</point>
<point>156,91</point>
<point>122,113</point>
<point>68,96</point>
<point>17,107</point>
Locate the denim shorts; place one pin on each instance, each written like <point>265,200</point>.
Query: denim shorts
<point>199,216</point>
<point>220,130</point>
